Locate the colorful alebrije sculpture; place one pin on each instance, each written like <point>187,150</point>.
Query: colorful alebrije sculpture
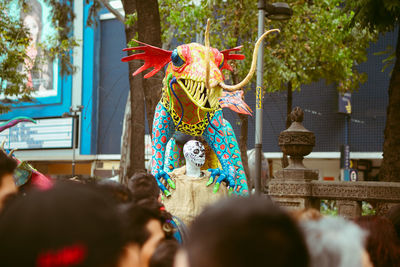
<point>24,173</point>
<point>14,121</point>
<point>192,96</point>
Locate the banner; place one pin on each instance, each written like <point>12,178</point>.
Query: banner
<point>42,72</point>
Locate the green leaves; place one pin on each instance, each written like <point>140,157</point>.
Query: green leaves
<point>131,19</point>
<point>318,42</point>
<point>381,15</point>
<point>62,17</point>
<point>183,20</point>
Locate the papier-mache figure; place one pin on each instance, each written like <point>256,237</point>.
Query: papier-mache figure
<point>193,95</point>
<point>191,192</point>
<point>25,175</point>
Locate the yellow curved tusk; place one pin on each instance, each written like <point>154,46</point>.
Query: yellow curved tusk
<point>12,151</point>
<point>207,45</point>
<point>247,79</point>
<point>2,144</point>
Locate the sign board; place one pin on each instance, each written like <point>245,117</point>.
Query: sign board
<point>345,103</point>
<point>345,157</point>
<point>349,175</point>
<point>46,133</point>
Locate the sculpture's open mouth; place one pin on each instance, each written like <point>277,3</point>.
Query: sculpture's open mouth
<point>199,94</point>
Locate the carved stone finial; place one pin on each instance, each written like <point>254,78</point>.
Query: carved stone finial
<point>297,142</point>
<point>297,115</point>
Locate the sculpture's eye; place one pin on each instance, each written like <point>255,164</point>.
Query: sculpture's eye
<point>196,151</point>
<point>176,59</point>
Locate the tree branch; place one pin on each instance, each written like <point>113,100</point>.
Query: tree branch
<point>116,13</point>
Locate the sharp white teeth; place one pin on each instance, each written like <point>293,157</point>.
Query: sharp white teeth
<point>186,82</point>
<point>201,99</point>
<point>192,88</point>
<point>197,86</point>
<point>197,95</point>
<point>212,103</point>
<point>202,86</point>
<point>190,84</point>
<point>204,100</point>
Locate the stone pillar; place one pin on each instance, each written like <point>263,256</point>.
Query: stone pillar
<point>349,209</point>
<point>292,187</point>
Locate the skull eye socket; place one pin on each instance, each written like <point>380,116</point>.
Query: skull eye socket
<point>196,151</point>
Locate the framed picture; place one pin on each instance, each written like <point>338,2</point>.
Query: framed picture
<point>41,70</point>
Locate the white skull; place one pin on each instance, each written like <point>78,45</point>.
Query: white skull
<point>194,152</point>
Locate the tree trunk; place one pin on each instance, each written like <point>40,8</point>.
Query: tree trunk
<point>149,31</point>
<point>125,139</point>
<point>132,158</point>
<point>390,168</point>
<point>289,107</point>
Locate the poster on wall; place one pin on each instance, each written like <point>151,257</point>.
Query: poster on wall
<point>42,72</point>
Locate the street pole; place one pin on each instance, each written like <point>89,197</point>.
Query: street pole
<point>259,94</point>
<point>74,115</point>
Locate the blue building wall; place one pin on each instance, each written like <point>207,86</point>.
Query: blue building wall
<point>113,87</point>
<point>89,84</point>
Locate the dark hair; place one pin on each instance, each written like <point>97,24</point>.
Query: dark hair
<point>143,186</point>
<point>136,218</point>
<point>394,216</point>
<point>382,243</point>
<point>115,192</point>
<point>164,254</point>
<point>240,232</point>
<point>49,226</point>
<point>7,164</point>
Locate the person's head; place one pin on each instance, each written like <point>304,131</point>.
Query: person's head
<point>143,230</point>
<point>33,20</point>
<point>394,216</point>
<point>382,243</point>
<point>335,241</point>
<point>115,192</point>
<point>143,186</point>
<point>306,214</point>
<point>240,232</point>
<point>67,225</point>
<point>7,183</point>
<point>164,255</point>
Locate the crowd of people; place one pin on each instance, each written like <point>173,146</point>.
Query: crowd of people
<point>109,224</point>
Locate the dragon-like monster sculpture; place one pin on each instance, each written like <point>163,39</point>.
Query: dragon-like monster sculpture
<point>191,94</point>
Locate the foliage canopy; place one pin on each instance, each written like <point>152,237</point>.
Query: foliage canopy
<point>320,41</point>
